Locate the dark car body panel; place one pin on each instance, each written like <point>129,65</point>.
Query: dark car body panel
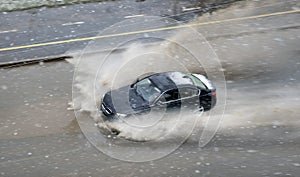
<point>124,100</point>
<point>127,101</point>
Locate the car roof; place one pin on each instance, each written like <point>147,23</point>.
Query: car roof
<point>170,80</point>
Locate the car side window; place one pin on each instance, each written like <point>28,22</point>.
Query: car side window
<point>169,96</point>
<point>187,92</point>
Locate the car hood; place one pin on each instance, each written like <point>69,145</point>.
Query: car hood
<point>124,100</point>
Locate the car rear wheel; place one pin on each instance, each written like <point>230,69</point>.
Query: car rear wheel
<point>199,110</point>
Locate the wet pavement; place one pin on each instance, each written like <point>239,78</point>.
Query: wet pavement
<point>83,20</point>
<point>258,136</point>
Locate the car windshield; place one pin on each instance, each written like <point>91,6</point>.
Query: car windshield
<point>146,89</point>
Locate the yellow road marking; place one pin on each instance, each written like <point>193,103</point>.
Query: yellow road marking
<point>8,31</point>
<point>146,31</point>
<point>72,23</point>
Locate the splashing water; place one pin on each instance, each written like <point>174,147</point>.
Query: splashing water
<point>99,72</point>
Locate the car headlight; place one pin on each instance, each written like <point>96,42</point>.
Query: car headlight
<point>105,109</point>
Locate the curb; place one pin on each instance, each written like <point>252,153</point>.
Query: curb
<point>10,64</point>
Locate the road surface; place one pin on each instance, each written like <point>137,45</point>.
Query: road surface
<point>42,25</point>
<point>258,135</point>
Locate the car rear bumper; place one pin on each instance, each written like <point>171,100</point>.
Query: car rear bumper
<point>213,102</point>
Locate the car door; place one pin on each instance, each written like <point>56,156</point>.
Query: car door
<point>189,98</point>
<point>186,98</point>
<point>169,99</point>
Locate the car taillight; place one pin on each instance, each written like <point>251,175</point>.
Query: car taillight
<point>214,93</point>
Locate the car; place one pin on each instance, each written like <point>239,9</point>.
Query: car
<point>168,90</point>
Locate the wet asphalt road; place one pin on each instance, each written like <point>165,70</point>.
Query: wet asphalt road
<point>259,134</point>
<point>78,21</point>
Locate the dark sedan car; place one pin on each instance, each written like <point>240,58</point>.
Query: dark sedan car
<point>168,90</point>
